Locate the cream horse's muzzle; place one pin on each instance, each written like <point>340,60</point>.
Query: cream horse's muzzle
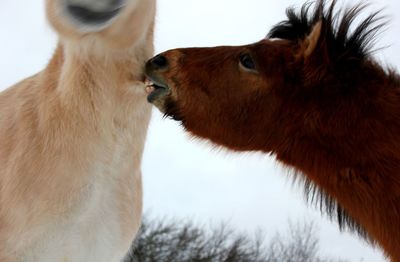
<point>94,12</point>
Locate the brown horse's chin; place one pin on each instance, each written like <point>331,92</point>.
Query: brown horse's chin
<point>160,95</point>
<point>160,104</point>
<point>169,108</point>
<point>162,99</point>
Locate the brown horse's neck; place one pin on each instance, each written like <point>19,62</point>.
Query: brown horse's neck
<point>360,171</point>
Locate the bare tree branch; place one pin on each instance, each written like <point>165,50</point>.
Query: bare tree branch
<point>176,241</point>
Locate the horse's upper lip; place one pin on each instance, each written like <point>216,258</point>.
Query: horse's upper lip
<point>155,81</point>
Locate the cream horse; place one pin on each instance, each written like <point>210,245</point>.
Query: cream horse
<point>72,137</point>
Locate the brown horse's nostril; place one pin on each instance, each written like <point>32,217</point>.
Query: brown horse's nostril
<point>159,62</point>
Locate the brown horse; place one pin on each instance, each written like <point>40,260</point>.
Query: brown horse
<point>312,95</point>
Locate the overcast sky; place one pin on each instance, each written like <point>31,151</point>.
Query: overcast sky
<point>183,177</point>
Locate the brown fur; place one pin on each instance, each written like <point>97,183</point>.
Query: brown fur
<point>316,99</point>
<point>72,137</point>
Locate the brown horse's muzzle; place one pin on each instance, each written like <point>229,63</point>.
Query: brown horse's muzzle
<point>157,87</point>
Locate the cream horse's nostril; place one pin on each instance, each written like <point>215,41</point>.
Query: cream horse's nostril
<point>97,5</point>
<point>94,12</point>
<point>117,2</point>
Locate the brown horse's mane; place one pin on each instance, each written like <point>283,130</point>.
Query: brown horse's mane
<point>342,43</point>
<point>343,46</point>
<point>328,206</point>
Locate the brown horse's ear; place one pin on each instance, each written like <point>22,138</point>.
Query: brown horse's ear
<point>314,54</point>
<point>310,43</point>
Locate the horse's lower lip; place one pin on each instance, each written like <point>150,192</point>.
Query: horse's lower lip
<point>157,93</point>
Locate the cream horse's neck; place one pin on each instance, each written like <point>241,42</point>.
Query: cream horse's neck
<point>71,143</point>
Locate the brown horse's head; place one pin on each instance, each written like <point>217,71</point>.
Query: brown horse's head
<point>217,91</point>
<point>308,77</point>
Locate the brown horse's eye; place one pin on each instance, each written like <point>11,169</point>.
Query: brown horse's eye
<point>247,63</point>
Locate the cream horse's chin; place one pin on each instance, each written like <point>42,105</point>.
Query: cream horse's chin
<point>72,137</point>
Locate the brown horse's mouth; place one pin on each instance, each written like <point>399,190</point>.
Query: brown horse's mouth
<point>156,90</point>
<point>160,89</point>
<point>159,94</point>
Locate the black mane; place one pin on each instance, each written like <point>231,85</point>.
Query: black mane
<point>342,46</point>
<point>328,206</point>
<point>336,24</point>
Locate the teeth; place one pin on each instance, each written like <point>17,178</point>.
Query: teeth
<point>148,82</point>
<point>149,86</point>
<point>149,89</point>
